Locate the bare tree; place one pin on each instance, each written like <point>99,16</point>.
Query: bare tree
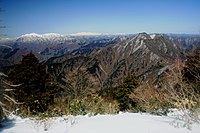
<point>180,94</point>
<point>75,85</point>
<point>5,89</point>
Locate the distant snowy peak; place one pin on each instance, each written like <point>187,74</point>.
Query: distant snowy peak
<point>52,35</point>
<point>47,35</point>
<point>30,35</point>
<point>69,36</point>
<point>55,38</point>
<point>96,34</point>
<point>86,34</point>
<point>33,37</point>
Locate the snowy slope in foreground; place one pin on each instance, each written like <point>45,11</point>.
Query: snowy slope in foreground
<point>121,123</point>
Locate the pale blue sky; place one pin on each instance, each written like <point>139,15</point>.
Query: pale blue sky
<point>104,16</point>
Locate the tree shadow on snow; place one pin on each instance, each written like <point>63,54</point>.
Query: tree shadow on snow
<point>6,124</point>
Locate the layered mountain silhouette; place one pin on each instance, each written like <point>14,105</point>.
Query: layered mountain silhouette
<point>105,58</point>
<point>45,46</point>
<point>145,55</point>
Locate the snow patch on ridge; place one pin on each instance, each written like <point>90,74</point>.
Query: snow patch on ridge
<point>152,36</point>
<point>137,46</point>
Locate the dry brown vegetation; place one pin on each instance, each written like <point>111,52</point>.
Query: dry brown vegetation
<point>178,92</point>
<point>172,91</point>
<point>148,99</point>
<point>76,94</point>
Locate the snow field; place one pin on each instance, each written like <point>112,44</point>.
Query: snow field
<point>120,123</point>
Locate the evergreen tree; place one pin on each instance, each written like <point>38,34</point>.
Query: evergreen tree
<point>36,89</point>
<point>122,92</point>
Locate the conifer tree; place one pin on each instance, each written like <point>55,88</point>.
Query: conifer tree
<point>122,92</point>
<point>36,89</point>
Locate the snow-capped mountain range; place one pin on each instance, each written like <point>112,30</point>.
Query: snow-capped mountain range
<point>50,45</point>
<point>56,36</point>
<point>70,42</point>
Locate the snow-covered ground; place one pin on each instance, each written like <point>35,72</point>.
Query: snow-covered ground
<point>120,123</point>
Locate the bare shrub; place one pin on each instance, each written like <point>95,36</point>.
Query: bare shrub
<point>148,99</point>
<point>180,94</point>
<point>75,85</point>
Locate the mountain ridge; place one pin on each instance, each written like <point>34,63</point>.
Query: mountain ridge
<point>49,45</point>
<point>139,54</point>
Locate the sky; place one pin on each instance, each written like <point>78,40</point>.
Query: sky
<point>100,16</point>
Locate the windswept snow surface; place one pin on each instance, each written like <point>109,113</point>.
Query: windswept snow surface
<point>120,123</point>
